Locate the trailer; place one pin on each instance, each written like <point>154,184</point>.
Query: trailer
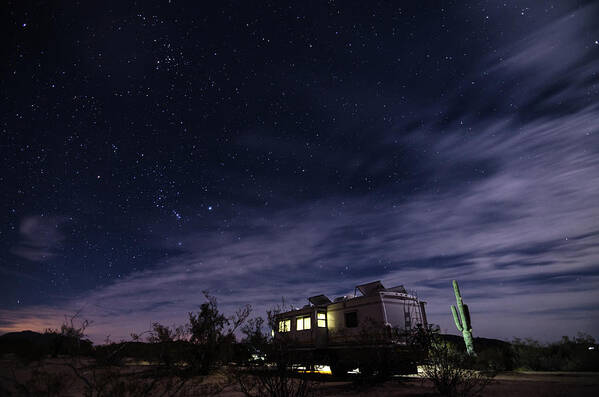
<point>363,331</point>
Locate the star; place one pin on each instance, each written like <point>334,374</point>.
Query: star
<point>374,137</point>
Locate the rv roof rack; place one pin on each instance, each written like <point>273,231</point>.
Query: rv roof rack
<point>399,288</point>
<point>319,300</point>
<point>370,288</point>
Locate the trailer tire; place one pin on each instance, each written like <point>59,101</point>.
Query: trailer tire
<point>338,369</point>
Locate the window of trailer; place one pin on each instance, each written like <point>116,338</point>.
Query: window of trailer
<point>321,318</point>
<point>351,319</point>
<point>284,325</point>
<point>303,323</point>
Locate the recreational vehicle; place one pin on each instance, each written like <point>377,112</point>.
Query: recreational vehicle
<point>336,332</point>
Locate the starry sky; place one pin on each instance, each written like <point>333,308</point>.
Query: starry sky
<point>151,150</point>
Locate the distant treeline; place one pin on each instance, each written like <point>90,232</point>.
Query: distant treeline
<point>580,353</point>
<point>32,346</point>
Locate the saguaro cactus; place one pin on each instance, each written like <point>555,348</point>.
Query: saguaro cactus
<point>463,320</point>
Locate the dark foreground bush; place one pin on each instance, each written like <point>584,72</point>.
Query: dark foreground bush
<point>271,369</point>
<point>445,362</point>
<point>453,372</point>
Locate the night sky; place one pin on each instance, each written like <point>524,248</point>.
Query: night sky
<point>152,150</point>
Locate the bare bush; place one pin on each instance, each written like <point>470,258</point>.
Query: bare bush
<point>451,371</point>
<point>161,333</point>
<point>70,337</point>
<point>274,382</point>
<point>273,372</point>
<point>213,335</point>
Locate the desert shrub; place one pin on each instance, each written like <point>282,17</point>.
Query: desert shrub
<point>451,370</point>
<point>529,354</point>
<point>272,370</point>
<point>35,380</point>
<point>452,373</point>
<point>161,333</point>
<point>495,359</point>
<point>69,338</point>
<point>275,381</point>
<point>179,357</point>
<point>166,345</point>
<point>255,341</point>
<point>29,346</point>
<point>569,354</point>
<point>419,341</point>
<point>492,355</point>
<point>213,336</point>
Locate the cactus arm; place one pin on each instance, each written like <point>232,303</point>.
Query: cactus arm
<point>463,317</point>
<point>456,318</point>
<point>467,318</point>
<point>456,290</point>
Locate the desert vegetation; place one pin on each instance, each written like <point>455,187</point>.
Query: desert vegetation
<point>214,354</point>
<point>201,357</point>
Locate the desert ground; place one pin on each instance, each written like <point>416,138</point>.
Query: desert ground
<point>56,373</point>
<point>513,384</point>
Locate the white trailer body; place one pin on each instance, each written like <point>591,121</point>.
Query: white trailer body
<point>325,323</point>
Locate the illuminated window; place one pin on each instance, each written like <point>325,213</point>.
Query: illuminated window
<point>303,323</point>
<point>284,325</point>
<point>321,320</point>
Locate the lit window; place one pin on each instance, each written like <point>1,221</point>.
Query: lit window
<point>284,325</point>
<point>322,320</point>
<point>303,323</point>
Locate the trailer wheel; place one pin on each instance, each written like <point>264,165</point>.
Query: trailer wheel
<point>338,369</point>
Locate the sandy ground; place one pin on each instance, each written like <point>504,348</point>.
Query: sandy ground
<point>513,384</point>
<point>524,384</point>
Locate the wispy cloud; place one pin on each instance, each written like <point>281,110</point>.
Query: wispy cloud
<point>40,238</point>
<point>522,235</point>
